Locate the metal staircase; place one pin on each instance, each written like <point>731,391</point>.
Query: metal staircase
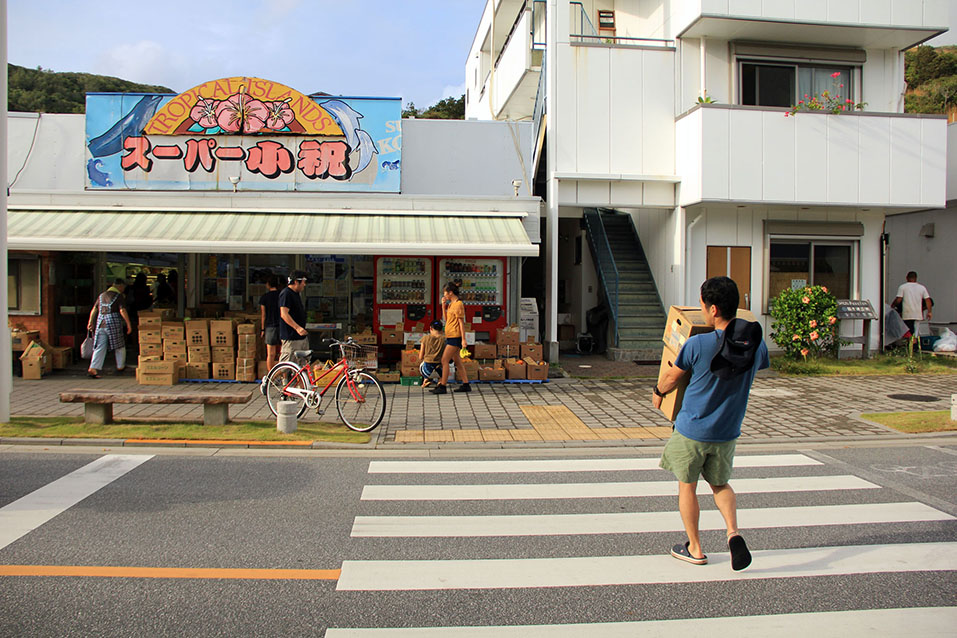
<point>628,285</point>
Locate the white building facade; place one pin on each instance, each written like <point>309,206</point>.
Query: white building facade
<point>676,115</point>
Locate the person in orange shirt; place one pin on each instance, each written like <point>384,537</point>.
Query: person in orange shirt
<point>453,312</point>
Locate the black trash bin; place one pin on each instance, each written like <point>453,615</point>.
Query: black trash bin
<point>597,321</point>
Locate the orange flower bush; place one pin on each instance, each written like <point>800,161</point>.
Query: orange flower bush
<point>805,322</point>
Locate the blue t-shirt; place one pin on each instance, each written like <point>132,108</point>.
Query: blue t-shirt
<point>713,409</point>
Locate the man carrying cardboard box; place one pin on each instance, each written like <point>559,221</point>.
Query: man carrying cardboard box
<point>721,366</point>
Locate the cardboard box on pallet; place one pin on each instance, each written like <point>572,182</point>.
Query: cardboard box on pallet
<point>388,377</point>
<point>151,349</point>
<point>175,330</point>
<point>197,332</point>
<point>471,368</point>
<point>199,354</point>
<point>197,371</point>
<point>222,332</point>
<point>494,372</point>
<point>485,351</point>
<point>508,351</point>
<point>533,350</point>
<point>151,335</point>
<point>535,370</point>
<point>247,346</point>
<point>246,329</point>
<point>175,356</point>
<point>245,369</point>
<point>150,319</point>
<point>174,346</point>
<point>146,357</point>
<point>507,337</point>
<point>222,354</point>
<point>515,369</point>
<point>224,371</point>
<point>160,372</point>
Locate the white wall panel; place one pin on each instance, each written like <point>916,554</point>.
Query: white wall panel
<point>593,194</point>
<point>745,162</point>
<point>933,183</point>
<point>778,9</point>
<point>715,165</point>
<point>810,165</point>
<point>627,192</point>
<point>689,155</point>
<point>778,152</point>
<point>951,162</point>
<point>811,11</point>
<point>936,12</point>
<point>722,226</point>
<point>843,11</point>
<point>875,160</point>
<point>627,113</point>
<point>658,194</point>
<point>745,7</point>
<point>592,77</point>
<point>842,159</point>
<point>658,107</point>
<point>564,116</point>
<point>876,12</point>
<point>905,160</point>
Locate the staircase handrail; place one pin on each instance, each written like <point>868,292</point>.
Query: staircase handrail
<point>601,241</point>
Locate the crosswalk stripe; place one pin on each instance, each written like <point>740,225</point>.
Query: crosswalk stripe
<point>393,575</point>
<point>33,510</point>
<point>633,522</point>
<point>602,490</point>
<point>916,621</point>
<point>566,465</point>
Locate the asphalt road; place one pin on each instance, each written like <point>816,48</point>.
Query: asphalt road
<point>608,568</point>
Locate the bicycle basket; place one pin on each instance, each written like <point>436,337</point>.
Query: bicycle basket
<point>361,357</point>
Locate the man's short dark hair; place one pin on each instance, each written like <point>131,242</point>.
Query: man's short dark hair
<point>272,281</point>
<point>297,275</point>
<point>721,292</point>
<point>119,281</point>
<point>436,325</point>
<point>912,275</point>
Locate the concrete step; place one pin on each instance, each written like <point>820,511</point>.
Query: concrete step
<point>637,321</point>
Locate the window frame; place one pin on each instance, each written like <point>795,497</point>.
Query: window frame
<point>15,280</point>
<point>854,84</point>
<point>814,240</point>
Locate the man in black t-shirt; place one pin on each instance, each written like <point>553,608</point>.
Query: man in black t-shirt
<point>292,314</point>
<point>269,308</point>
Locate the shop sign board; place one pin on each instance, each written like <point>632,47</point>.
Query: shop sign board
<point>244,134</point>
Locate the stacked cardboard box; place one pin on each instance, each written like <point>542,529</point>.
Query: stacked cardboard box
<point>206,348</point>
<point>683,323</point>
<point>36,361</point>
<point>247,352</point>
<point>509,358</point>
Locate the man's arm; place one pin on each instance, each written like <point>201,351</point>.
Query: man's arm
<point>897,300</point>
<point>669,382</point>
<point>287,317</point>
<point>262,318</point>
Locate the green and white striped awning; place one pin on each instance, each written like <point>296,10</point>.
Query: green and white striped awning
<point>460,233</point>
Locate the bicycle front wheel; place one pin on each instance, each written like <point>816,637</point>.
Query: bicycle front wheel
<point>283,377</point>
<point>360,401</point>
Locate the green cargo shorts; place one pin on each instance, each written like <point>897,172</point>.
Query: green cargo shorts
<point>688,459</point>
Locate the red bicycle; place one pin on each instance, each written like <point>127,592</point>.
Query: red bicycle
<point>359,397</point>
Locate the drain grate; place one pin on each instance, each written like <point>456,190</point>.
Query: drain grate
<point>924,398</point>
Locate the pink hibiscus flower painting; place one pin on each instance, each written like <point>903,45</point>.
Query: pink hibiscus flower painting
<point>280,115</point>
<point>204,113</point>
<point>240,113</point>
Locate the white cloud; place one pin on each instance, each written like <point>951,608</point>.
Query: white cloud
<point>454,91</point>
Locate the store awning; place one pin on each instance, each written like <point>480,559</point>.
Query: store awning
<point>460,233</point>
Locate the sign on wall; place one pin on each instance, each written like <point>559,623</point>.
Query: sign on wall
<point>243,134</point>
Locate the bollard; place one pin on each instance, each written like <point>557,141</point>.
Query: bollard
<point>286,419</point>
<point>953,407</point>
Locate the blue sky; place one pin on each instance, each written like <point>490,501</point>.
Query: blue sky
<point>414,49</point>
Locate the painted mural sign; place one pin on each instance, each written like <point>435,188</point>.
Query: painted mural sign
<point>243,134</point>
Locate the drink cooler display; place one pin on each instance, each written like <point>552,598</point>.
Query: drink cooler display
<point>482,288</point>
<point>404,283</point>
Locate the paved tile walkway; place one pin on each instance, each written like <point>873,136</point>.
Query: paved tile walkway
<point>602,411</point>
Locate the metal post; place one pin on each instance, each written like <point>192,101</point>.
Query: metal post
<point>551,210</point>
<point>6,356</point>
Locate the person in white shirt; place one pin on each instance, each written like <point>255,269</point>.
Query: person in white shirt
<point>915,299</point>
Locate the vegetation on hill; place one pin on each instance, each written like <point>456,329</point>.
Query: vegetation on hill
<point>44,91</point>
<point>931,75</point>
<point>448,109</point>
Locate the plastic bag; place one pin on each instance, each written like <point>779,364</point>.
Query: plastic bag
<point>947,342</point>
<point>86,348</point>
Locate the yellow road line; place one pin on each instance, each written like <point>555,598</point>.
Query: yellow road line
<point>95,571</point>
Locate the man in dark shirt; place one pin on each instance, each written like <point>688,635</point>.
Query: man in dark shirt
<point>269,308</point>
<point>292,314</point>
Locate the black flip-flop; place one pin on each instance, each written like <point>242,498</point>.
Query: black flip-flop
<point>681,552</point>
<point>740,556</point>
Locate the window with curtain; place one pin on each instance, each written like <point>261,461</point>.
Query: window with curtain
<point>23,286</point>
<point>783,84</point>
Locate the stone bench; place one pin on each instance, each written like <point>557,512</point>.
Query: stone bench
<point>98,406</point>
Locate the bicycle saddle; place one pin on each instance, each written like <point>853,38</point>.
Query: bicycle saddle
<point>302,354</point>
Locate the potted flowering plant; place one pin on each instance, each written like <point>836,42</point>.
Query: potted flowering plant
<point>827,101</point>
<point>805,322</point>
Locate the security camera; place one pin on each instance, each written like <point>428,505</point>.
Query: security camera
<point>516,183</point>
<point>234,179</point>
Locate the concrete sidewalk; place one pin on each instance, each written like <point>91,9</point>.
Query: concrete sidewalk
<point>561,412</point>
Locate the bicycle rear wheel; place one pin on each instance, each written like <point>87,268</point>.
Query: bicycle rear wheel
<point>277,379</point>
<point>360,401</point>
